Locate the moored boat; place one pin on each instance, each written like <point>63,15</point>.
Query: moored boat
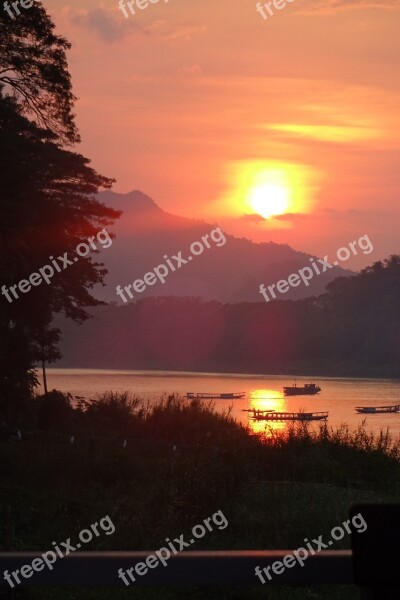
<point>272,415</point>
<point>210,396</point>
<point>308,389</point>
<point>376,410</point>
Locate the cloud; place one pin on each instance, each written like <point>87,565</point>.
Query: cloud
<point>350,215</point>
<point>105,25</point>
<point>252,218</point>
<point>191,71</point>
<point>174,32</point>
<point>335,6</point>
<point>291,217</point>
<point>354,214</point>
<point>327,133</point>
<point>288,217</point>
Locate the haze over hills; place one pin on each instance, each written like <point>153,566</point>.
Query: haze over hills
<point>344,332</point>
<point>229,273</point>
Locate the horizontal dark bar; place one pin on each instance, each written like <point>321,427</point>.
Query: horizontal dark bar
<point>186,568</point>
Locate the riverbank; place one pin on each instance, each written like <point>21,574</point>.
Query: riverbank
<point>159,470</point>
<point>313,369</point>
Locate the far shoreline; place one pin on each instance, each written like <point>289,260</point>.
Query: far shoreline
<point>389,373</point>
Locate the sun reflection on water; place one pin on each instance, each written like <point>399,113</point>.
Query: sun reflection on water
<point>263,399</point>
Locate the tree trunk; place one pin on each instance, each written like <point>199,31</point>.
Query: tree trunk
<point>44,376</point>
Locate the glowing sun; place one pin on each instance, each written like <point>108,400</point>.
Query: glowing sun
<point>269,199</point>
<point>269,189</point>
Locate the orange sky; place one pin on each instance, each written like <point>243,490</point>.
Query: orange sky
<point>189,101</point>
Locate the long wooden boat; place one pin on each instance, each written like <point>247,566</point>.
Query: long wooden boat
<point>376,410</point>
<point>256,411</point>
<point>272,415</point>
<point>308,389</point>
<point>223,396</point>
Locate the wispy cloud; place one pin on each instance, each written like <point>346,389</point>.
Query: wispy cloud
<point>252,218</point>
<point>327,133</point>
<point>335,6</point>
<point>104,24</point>
<point>192,71</point>
<point>292,217</point>
<point>174,32</point>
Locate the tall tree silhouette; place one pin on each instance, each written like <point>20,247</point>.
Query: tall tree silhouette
<point>48,204</point>
<point>33,67</point>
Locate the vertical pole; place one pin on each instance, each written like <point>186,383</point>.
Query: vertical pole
<point>44,376</point>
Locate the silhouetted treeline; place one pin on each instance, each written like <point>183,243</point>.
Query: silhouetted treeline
<point>352,329</point>
<point>48,203</point>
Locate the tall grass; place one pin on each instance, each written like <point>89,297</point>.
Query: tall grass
<point>359,438</point>
<point>182,461</point>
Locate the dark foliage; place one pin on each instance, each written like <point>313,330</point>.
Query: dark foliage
<point>353,329</point>
<point>48,203</point>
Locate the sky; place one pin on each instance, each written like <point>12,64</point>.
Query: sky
<point>282,129</point>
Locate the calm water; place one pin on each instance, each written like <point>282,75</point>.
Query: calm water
<point>338,396</point>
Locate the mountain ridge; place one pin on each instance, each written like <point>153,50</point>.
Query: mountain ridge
<point>232,272</point>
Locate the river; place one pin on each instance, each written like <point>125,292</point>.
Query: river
<point>339,396</point>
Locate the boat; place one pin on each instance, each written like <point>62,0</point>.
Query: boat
<point>308,389</point>
<point>224,396</point>
<point>256,411</point>
<point>272,415</point>
<point>376,410</point>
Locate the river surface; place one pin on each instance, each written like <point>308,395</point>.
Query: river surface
<point>339,396</point>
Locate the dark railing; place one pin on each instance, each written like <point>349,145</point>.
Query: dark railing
<point>86,569</point>
<point>373,564</point>
<point>186,568</point>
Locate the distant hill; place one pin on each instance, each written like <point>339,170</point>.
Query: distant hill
<point>229,273</point>
<point>352,330</point>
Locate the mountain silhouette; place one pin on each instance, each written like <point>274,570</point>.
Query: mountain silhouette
<point>230,273</point>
